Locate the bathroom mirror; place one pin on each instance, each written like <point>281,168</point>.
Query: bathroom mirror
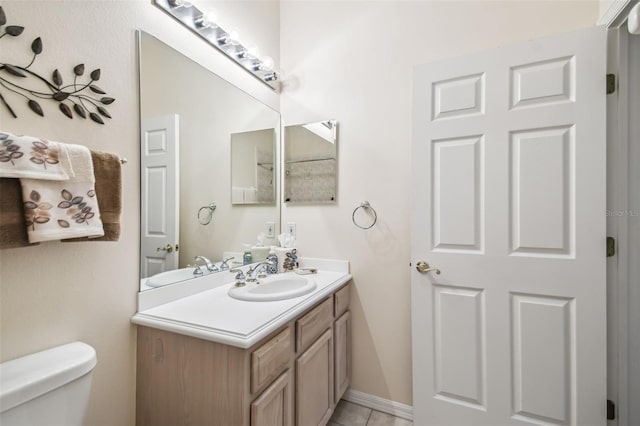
<point>220,130</point>
<point>253,167</point>
<point>311,162</point>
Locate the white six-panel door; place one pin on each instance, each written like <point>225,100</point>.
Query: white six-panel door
<point>509,190</point>
<point>159,209</point>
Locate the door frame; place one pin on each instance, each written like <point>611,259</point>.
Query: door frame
<point>618,198</point>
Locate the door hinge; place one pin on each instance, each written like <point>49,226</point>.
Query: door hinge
<point>611,410</point>
<point>611,83</point>
<point>611,246</point>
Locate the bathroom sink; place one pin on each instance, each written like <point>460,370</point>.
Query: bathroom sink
<point>170,277</point>
<point>274,287</point>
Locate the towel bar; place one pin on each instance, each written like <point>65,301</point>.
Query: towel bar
<point>364,205</point>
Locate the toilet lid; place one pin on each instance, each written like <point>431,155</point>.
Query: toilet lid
<point>23,379</point>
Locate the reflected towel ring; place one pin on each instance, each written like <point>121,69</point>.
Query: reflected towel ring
<point>365,205</point>
<point>205,218</point>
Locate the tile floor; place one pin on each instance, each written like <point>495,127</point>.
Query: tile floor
<point>350,414</point>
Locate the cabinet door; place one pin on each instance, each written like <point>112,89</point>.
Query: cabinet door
<point>342,334</point>
<point>314,382</point>
<point>184,381</point>
<point>274,406</point>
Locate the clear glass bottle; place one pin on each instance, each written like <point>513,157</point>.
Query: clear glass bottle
<point>246,257</point>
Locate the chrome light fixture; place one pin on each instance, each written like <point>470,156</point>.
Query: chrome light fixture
<point>203,23</point>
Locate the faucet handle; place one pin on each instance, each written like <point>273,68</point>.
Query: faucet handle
<point>240,279</point>
<point>224,265</point>
<point>197,271</point>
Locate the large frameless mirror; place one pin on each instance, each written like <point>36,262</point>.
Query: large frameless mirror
<point>311,162</point>
<point>192,121</point>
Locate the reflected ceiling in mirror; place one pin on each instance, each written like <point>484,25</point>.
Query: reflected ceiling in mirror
<point>210,113</point>
<point>311,162</point>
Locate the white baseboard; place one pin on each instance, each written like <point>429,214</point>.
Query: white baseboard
<point>379,404</point>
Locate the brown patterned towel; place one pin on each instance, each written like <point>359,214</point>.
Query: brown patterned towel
<point>108,171</point>
<point>13,227</point>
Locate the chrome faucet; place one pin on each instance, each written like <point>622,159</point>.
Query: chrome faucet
<point>224,265</point>
<point>210,266</point>
<point>252,273</point>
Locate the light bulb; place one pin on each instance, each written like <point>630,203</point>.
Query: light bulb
<point>267,63</point>
<point>233,37</point>
<point>252,51</point>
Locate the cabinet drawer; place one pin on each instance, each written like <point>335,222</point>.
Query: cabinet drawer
<point>341,301</point>
<point>312,325</point>
<point>270,359</point>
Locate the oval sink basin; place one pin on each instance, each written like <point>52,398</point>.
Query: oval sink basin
<point>275,287</point>
<point>170,277</point>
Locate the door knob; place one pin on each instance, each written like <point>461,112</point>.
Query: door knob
<point>423,267</point>
<point>168,248</point>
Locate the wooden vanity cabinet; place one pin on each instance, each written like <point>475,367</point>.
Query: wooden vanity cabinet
<point>295,376</point>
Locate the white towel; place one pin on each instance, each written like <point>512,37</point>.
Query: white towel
<point>33,158</point>
<point>237,195</point>
<point>250,195</point>
<point>63,209</point>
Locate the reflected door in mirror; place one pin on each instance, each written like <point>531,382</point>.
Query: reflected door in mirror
<point>159,206</point>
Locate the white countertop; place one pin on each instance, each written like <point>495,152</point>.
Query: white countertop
<point>213,315</point>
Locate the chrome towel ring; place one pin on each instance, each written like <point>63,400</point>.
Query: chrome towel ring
<point>364,205</point>
<point>205,214</point>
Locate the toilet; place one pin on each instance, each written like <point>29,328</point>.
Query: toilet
<point>47,388</point>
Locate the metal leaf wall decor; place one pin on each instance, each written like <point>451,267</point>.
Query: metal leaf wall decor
<point>75,99</point>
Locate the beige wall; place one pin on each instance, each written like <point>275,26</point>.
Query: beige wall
<point>57,293</point>
<point>352,61</point>
<point>604,5</point>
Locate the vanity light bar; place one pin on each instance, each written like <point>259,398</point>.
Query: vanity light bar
<point>203,24</point>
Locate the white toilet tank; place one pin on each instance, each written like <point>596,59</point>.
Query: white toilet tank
<point>48,388</point>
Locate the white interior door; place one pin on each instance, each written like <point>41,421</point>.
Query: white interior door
<point>509,202</point>
<point>159,225</point>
